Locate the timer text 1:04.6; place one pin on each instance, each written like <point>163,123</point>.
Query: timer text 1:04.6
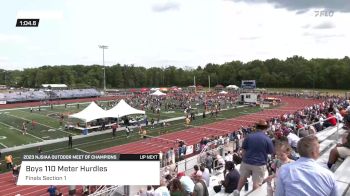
<point>27,23</point>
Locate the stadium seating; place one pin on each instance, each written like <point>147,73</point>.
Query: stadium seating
<point>48,95</point>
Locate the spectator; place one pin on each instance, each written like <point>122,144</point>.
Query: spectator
<point>205,174</point>
<point>256,147</point>
<point>293,139</point>
<point>196,169</point>
<point>71,190</point>
<point>232,178</point>
<point>305,176</point>
<point>200,188</point>
<point>283,151</point>
<point>162,190</point>
<point>52,190</point>
<point>341,150</point>
<point>186,183</point>
<point>150,191</point>
<point>228,156</point>
<point>176,188</point>
<point>209,162</point>
<point>331,120</point>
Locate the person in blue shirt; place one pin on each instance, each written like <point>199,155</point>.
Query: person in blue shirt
<point>52,190</point>
<point>305,177</point>
<point>256,147</point>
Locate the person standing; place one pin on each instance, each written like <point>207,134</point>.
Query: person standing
<point>256,147</point>
<point>306,177</point>
<point>72,190</point>
<point>127,130</point>
<point>9,161</point>
<point>209,162</point>
<point>200,188</point>
<point>52,190</point>
<point>24,128</point>
<point>205,174</point>
<point>114,130</point>
<point>70,141</point>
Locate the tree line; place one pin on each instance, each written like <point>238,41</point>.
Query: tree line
<point>294,72</point>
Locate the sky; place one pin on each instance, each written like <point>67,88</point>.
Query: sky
<point>183,33</point>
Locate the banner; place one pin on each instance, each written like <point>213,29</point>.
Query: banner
<point>197,148</point>
<point>189,149</point>
<point>2,102</point>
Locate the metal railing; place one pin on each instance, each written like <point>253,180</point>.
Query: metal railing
<point>319,122</point>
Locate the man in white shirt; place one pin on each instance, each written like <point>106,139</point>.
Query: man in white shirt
<point>162,190</point>
<point>228,156</point>
<point>205,174</point>
<point>293,140</point>
<point>186,183</point>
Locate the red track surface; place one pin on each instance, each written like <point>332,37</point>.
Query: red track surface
<point>191,136</point>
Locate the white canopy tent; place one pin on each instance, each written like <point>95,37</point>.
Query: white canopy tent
<point>90,113</point>
<point>158,93</point>
<point>223,92</point>
<point>232,87</point>
<point>122,109</point>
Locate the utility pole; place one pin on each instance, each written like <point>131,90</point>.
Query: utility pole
<point>209,82</point>
<point>103,47</point>
<point>194,83</point>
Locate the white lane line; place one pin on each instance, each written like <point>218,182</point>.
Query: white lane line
<point>21,131</point>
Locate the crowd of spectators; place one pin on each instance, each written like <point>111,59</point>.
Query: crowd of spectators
<point>278,147</point>
<point>40,95</point>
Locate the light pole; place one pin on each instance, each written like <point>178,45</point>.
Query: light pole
<point>103,47</point>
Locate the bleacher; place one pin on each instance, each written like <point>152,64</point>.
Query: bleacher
<point>28,96</point>
<point>76,93</point>
<point>23,96</point>
<point>342,173</point>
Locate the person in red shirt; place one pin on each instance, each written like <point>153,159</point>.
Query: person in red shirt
<point>331,120</point>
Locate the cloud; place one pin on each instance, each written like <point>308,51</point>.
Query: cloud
<point>250,38</point>
<point>168,6</point>
<point>323,36</point>
<point>12,38</point>
<point>42,15</point>
<point>324,25</point>
<point>3,59</point>
<point>301,6</point>
<point>301,11</point>
<point>306,26</point>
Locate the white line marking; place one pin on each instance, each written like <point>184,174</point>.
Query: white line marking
<point>3,145</point>
<point>22,131</point>
<point>82,150</point>
<point>40,124</point>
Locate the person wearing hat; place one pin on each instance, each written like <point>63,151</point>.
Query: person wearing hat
<point>256,147</point>
<point>341,150</point>
<point>186,183</point>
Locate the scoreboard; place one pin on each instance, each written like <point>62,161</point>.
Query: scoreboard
<point>248,84</point>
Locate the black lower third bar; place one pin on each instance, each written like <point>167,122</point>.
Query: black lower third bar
<point>139,157</point>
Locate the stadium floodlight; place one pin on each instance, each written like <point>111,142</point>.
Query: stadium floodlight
<point>103,47</point>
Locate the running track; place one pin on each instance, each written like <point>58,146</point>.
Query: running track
<point>191,136</point>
